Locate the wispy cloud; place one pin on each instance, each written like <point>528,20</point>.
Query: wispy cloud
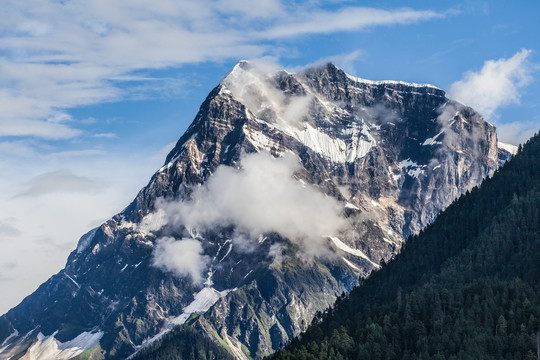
<point>59,181</point>
<point>5,270</point>
<point>181,257</point>
<point>106,135</point>
<point>8,229</point>
<point>60,55</point>
<point>348,19</point>
<point>76,153</point>
<point>57,209</point>
<point>17,148</point>
<point>345,61</point>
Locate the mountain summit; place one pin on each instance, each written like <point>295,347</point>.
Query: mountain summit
<point>281,193</point>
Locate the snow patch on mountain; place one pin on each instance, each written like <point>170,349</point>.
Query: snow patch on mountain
<point>512,149</point>
<point>251,85</point>
<point>203,300</point>
<point>86,240</point>
<point>389,82</point>
<point>72,280</point>
<point>348,205</point>
<point>260,140</point>
<point>318,141</point>
<point>411,167</point>
<point>351,265</point>
<point>11,335</point>
<point>357,145</point>
<point>433,140</point>
<point>48,348</point>
<point>342,246</point>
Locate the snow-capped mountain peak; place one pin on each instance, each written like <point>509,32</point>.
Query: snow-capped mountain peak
<point>285,188</point>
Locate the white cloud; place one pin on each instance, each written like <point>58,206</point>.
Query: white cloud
<point>106,135</point>
<point>252,84</point>
<point>5,272</point>
<point>61,55</point>
<point>62,180</point>
<point>261,197</point>
<point>245,8</point>
<point>181,257</point>
<point>76,153</point>
<point>42,129</point>
<point>517,132</point>
<point>17,148</point>
<point>348,19</point>
<point>29,224</point>
<point>7,229</point>
<point>346,61</point>
<point>379,112</point>
<point>499,83</point>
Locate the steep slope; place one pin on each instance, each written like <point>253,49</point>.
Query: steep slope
<point>184,343</point>
<point>467,287</point>
<point>380,158</point>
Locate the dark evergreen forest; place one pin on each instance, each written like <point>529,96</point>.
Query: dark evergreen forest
<point>184,343</point>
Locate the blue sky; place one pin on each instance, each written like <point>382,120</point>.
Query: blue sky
<point>94,93</point>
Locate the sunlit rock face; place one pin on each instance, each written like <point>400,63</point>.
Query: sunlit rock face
<point>283,191</point>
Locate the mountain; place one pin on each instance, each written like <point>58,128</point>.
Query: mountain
<point>281,193</point>
<point>467,287</point>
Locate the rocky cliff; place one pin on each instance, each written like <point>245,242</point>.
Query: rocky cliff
<point>373,161</point>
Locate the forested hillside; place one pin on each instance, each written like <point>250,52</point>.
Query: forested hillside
<point>183,343</point>
<point>467,287</point>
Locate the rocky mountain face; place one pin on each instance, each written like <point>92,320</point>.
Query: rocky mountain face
<point>450,290</point>
<point>192,248</point>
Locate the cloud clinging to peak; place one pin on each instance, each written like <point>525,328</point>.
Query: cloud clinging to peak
<point>259,198</point>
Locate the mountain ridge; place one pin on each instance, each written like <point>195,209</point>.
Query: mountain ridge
<point>392,155</point>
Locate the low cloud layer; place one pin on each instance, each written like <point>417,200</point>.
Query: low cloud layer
<point>259,198</point>
<point>101,186</point>
<point>499,83</point>
<point>59,181</point>
<point>7,229</point>
<point>181,257</point>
